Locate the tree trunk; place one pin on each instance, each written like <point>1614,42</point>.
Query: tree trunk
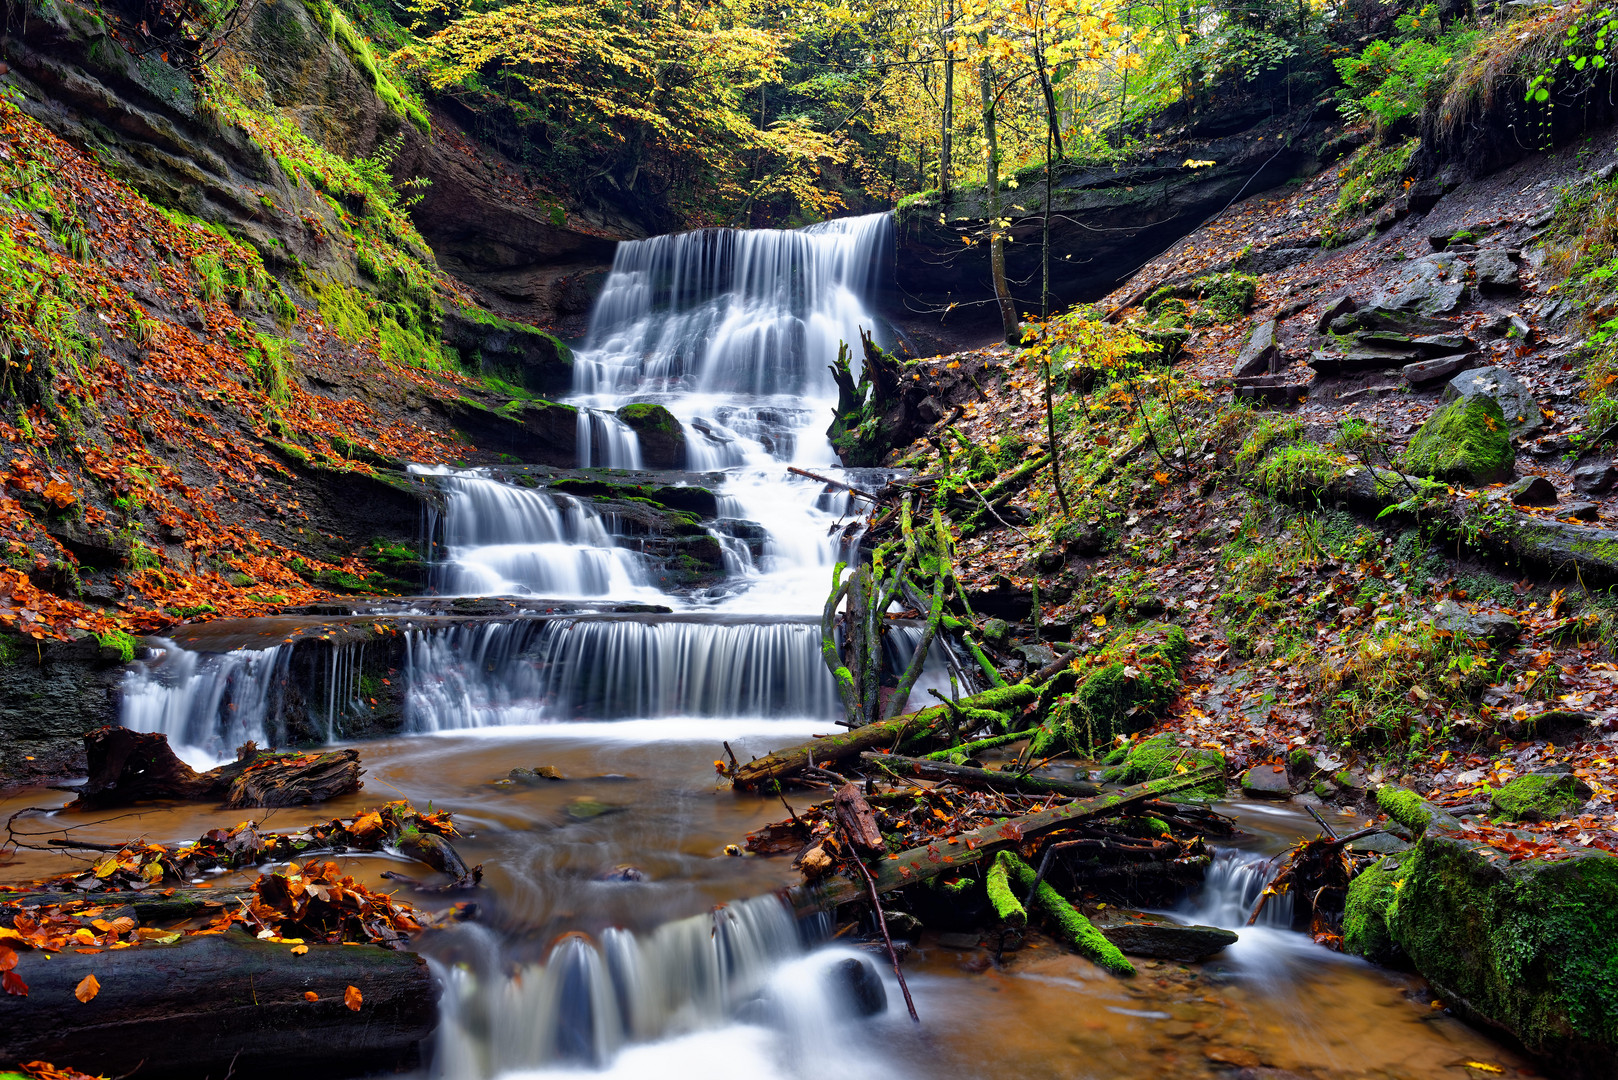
<point>997,244</point>
<point>946,143</point>
<point>222,1005</point>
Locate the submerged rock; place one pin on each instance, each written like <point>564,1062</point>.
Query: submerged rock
<point>855,988</point>
<point>1144,935</point>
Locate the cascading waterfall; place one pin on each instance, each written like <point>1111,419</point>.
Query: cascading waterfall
<point>610,668</point>
<point>498,539</point>
<point>589,999</point>
<point>207,704</point>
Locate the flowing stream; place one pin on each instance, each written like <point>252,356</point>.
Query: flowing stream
<point>615,936</point>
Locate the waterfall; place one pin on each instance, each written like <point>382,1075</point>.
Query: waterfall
<point>1231,890</point>
<point>207,704</point>
<point>589,999</point>
<point>616,668</point>
<point>733,330</point>
<point>499,539</point>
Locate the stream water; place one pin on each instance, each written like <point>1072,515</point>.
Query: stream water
<point>616,937</point>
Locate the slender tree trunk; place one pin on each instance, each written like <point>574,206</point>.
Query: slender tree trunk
<point>997,245</point>
<point>946,142</point>
<point>1045,308</point>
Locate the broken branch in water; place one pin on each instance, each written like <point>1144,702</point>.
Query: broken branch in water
<point>966,776</point>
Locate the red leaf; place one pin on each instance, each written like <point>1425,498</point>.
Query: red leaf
<point>12,983</point>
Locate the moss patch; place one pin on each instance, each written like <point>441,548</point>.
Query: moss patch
<point>1466,441</point>
<point>1121,689</point>
<point>1537,797</point>
<point>1405,807</point>
<point>1365,923</point>
<point>1155,758</point>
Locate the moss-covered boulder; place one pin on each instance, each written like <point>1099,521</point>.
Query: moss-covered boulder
<point>1529,946</point>
<point>1117,690</point>
<point>1365,922</point>
<point>1466,441</point>
<point>1163,755</point>
<point>662,439</point>
<point>1538,797</point>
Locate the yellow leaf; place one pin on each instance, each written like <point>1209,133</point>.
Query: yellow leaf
<point>299,950</point>
<point>1099,620</point>
<point>1484,1065</point>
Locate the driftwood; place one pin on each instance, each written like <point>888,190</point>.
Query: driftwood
<point>128,766</point>
<point>857,818</point>
<point>835,748</point>
<point>964,849</point>
<point>147,907</point>
<point>966,776</point>
<point>222,1005</point>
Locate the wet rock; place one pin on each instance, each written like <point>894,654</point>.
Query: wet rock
<point>624,873</point>
<point>1595,479</point>
<point>1267,782</point>
<point>586,808</point>
<point>856,987</point>
<point>902,924</point>
<point>1143,935</point>
<point>1380,843</point>
<point>1232,1055</point>
<point>1496,271</point>
<point>523,355</point>
<point>537,432</point>
<point>1463,441</point>
<point>1516,401</point>
<point>1380,318</point>
<point>1533,491</point>
<point>1582,510</point>
<point>1428,372</point>
<point>542,774</point>
<point>1431,285</point>
<point>1494,627</point>
<point>1336,308</point>
<point>1260,353</point>
<point>955,940</point>
<point>662,439</point>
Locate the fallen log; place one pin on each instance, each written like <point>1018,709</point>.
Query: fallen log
<point>222,1005</point>
<point>128,766</point>
<point>835,748</point>
<point>857,818</point>
<point>1074,928</point>
<point>146,908</point>
<point>964,849</point>
<point>966,776</point>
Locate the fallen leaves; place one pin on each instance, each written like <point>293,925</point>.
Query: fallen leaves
<point>353,998</point>
<point>88,988</point>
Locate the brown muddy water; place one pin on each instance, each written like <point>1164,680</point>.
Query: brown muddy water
<point>644,794</point>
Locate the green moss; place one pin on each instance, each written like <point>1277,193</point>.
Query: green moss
<point>1299,467</point>
<point>643,416</point>
<point>1365,925</point>
<point>1465,441</point>
<point>1121,689</point>
<point>122,642</point>
<point>1405,807</point>
<point>1226,296</point>
<point>1073,927</point>
<point>1007,908</point>
<point>1530,945</point>
<point>1537,797</point>
<point>1161,756</point>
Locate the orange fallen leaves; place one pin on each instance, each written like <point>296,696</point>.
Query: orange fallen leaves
<point>310,995</point>
<point>353,998</point>
<point>88,988</point>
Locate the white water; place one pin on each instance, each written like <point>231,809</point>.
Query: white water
<point>207,704</point>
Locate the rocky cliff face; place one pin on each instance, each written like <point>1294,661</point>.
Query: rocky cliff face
<point>1105,222</point>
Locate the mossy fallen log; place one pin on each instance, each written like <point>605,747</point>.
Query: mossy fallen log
<point>966,776</point>
<point>222,1004</point>
<point>1073,927</point>
<point>886,734</point>
<point>964,849</point>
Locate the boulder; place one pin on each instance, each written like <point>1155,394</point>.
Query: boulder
<point>535,432</point>
<point>1596,478</point>
<point>1267,782</point>
<point>517,353</point>
<point>1336,308</point>
<point>1140,934</point>
<point>1431,285</point>
<point>1528,946</point>
<point>856,988</point>
<point>1533,491</point>
<point>1516,401</point>
<point>1428,372</point>
<point>1271,389</point>
<point>1260,355</point>
<point>1161,756</point>
<point>662,439</point>
<point>1386,319</point>
<point>1582,510</point>
<point>1463,441</point>
<point>1496,628</point>
<point>1495,271</point>
<point>1539,796</point>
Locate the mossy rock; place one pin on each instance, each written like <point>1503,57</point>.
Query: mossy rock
<point>1537,797</point>
<point>1529,946</point>
<point>1466,441</point>
<point>662,439</point>
<point>1120,690</point>
<point>1405,807</point>
<point>1365,923</point>
<point>1155,758</point>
